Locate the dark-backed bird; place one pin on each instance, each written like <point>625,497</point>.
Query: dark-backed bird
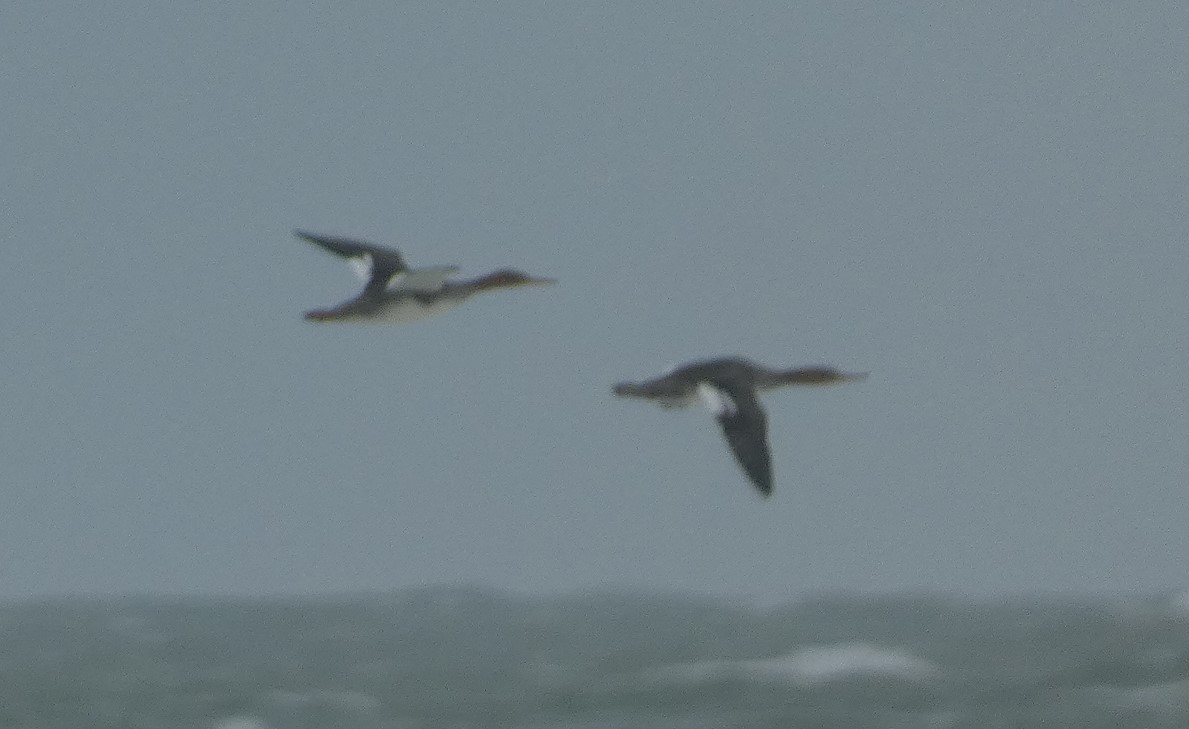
<point>393,292</point>
<point>729,387</point>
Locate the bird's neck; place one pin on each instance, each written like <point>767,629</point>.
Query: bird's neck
<point>798,376</point>
<point>495,280</point>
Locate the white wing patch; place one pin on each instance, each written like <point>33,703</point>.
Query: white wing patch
<point>719,401</point>
<point>361,265</point>
<point>427,280</point>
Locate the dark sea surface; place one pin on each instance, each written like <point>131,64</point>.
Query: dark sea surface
<point>460,657</point>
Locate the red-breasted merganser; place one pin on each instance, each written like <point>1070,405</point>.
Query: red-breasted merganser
<point>728,387</point>
<point>393,292</point>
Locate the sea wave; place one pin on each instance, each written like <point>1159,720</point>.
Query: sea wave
<point>470,657</point>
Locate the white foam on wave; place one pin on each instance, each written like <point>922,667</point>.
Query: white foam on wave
<point>825,663</point>
<point>241,722</point>
<point>808,666</point>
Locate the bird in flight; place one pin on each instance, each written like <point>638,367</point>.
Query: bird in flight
<point>729,387</point>
<point>393,292</point>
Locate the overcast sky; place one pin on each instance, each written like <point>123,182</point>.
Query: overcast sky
<point>982,204</point>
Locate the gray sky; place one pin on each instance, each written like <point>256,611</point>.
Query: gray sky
<point>983,206</point>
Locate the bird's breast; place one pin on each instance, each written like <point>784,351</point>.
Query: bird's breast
<point>412,308</point>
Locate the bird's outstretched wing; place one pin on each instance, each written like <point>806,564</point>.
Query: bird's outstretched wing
<point>376,264</point>
<point>745,426</point>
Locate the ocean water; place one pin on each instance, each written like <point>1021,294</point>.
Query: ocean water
<point>454,657</point>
